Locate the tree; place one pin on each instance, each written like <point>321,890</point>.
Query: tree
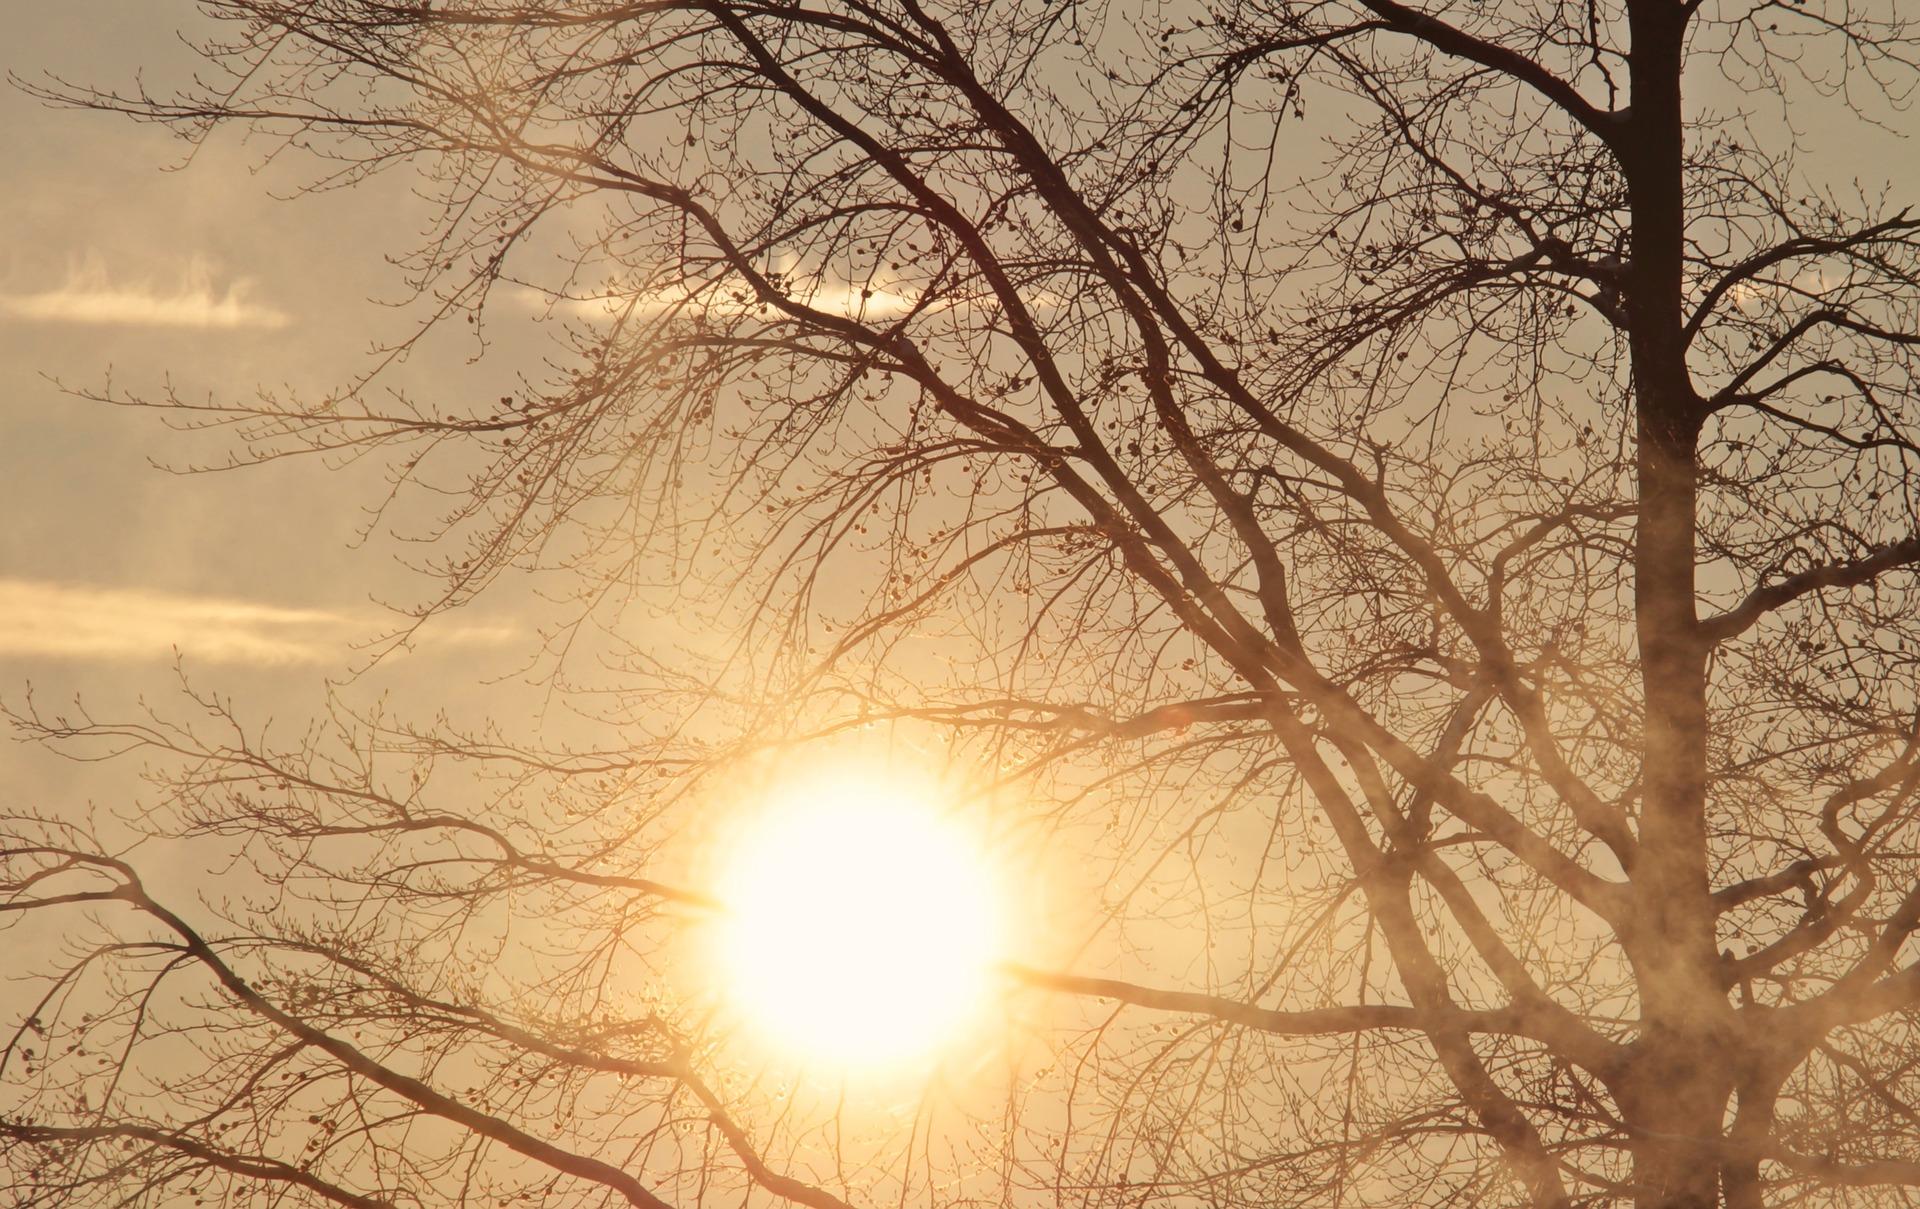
<point>1415,496</point>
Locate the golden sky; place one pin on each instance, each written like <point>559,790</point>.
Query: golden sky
<point>126,263</point>
<point>136,266</point>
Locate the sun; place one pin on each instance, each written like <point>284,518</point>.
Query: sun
<point>859,923</point>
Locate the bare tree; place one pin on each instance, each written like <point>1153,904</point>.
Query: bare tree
<point>1417,498</point>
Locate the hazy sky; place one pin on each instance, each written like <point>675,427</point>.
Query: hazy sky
<point>116,267</point>
<point>130,270</point>
<point>202,277</point>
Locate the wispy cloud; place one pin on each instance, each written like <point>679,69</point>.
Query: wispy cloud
<point>66,621</point>
<point>833,298</point>
<point>89,295</point>
<point>874,300</point>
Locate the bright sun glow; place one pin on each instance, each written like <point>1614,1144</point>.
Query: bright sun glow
<point>860,923</point>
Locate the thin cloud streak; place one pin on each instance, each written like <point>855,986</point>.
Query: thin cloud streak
<point>875,300</point>
<point>66,621</point>
<point>89,296</point>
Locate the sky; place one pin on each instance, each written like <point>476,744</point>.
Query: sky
<point>133,266</point>
<point>129,264</point>
<point>137,265</point>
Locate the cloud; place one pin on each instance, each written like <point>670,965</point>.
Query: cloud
<point>90,296</point>
<point>65,621</point>
<point>833,298</point>
<point>873,300</point>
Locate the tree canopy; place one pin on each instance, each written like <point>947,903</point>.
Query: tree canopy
<point>1415,502</point>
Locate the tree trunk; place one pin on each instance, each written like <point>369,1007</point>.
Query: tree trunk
<point>1675,1094</point>
<point>1674,1099</point>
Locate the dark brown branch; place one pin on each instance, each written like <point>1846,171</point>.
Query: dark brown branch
<point>1773,597</point>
